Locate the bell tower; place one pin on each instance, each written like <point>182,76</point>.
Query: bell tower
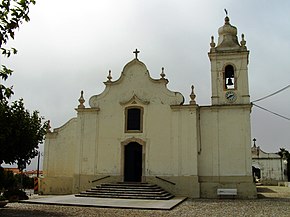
<point>229,67</point>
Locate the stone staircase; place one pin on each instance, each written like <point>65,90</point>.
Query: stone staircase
<point>127,191</point>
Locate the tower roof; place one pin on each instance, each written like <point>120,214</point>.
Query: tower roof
<point>227,39</point>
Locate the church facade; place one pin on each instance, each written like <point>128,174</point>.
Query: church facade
<point>137,130</point>
<point>268,168</point>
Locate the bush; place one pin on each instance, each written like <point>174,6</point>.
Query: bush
<point>7,179</point>
<point>24,181</point>
<point>15,195</point>
<point>10,181</point>
<point>2,198</point>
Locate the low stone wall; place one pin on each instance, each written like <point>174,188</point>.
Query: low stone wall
<point>269,182</point>
<point>56,185</point>
<point>187,186</point>
<point>84,182</point>
<point>283,183</point>
<point>245,186</point>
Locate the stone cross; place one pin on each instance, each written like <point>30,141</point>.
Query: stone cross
<point>226,11</point>
<point>136,53</point>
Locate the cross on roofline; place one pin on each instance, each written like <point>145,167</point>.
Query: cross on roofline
<point>226,11</point>
<point>136,53</point>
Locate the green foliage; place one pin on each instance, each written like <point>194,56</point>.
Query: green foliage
<point>20,133</point>
<point>24,181</point>
<point>14,195</point>
<point>2,198</point>
<point>5,92</point>
<point>12,14</point>
<point>285,155</point>
<point>7,179</point>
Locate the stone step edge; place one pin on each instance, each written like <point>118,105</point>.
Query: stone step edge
<point>127,197</point>
<point>124,191</point>
<point>127,186</point>
<point>127,189</point>
<point>126,194</point>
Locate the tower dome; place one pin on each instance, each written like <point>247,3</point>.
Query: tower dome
<point>227,39</point>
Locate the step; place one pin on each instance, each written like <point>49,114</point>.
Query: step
<point>144,191</point>
<point>128,185</point>
<point>125,188</point>
<point>168,197</point>
<point>164,193</point>
<point>127,191</point>
<point>126,195</point>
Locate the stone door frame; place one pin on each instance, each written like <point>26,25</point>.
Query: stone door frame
<point>123,144</point>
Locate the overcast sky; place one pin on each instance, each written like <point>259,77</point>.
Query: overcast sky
<point>70,45</point>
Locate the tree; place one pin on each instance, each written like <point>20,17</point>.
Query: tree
<point>285,155</point>
<point>12,14</point>
<point>20,133</point>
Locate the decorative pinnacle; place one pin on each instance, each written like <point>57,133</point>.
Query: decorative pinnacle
<point>48,127</point>
<point>109,76</point>
<point>192,96</point>
<point>136,53</point>
<point>162,73</point>
<point>254,140</point>
<point>227,19</point>
<point>243,42</point>
<point>81,100</point>
<point>212,44</point>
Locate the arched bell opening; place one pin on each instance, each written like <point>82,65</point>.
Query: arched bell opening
<point>229,78</point>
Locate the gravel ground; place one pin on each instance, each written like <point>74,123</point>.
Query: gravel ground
<point>277,205</point>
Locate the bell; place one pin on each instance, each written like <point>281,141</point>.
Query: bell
<point>230,82</point>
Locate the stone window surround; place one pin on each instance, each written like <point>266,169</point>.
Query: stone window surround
<point>141,119</point>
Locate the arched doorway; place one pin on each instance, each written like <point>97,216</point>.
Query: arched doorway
<point>256,173</point>
<point>133,162</point>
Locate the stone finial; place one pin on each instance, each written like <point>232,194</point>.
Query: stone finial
<point>162,73</point>
<point>243,42</point>
<point>227,20</point>
<point>109,76</point>
<point>192,96</point>
<point>48,127</point>
<point>212,44</point>
<point>256,148</point>
<point>254,140</point>
<point>81,100</point>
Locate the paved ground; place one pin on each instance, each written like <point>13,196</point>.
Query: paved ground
<point>71,200</point>
<point>275,201</point>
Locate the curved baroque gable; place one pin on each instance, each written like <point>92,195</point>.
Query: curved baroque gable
<point>135,81</point>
